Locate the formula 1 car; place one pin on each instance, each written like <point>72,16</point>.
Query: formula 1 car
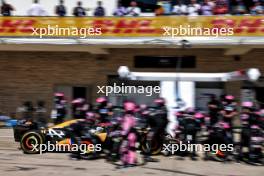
<point>29,134</point>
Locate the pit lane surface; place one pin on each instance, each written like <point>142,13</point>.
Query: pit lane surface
<point>14,163</point>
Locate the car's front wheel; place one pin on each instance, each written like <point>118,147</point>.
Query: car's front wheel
<point>30,142</point>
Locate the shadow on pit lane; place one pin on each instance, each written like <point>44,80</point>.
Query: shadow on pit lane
<point>18,168</point>
<point>174,171</point>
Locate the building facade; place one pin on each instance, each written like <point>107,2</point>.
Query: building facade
<point>35,74</point>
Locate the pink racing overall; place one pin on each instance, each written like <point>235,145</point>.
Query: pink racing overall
<point>128,149</point>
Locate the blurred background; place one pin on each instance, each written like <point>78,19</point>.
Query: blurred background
<point>33,69</point>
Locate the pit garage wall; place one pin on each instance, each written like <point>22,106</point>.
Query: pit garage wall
<point>34,75</point>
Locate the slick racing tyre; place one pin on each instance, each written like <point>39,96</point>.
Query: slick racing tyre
<point>155,148</point>
<point>88,154</point>
<point>30,142</point>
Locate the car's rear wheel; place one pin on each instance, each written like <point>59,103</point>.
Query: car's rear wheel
<point>88,153</point>
<point>155,148</point>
